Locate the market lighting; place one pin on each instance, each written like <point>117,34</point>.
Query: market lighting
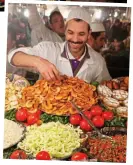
<point>98,14</point>
<point>124,14</point>
<point>116,14</point>
<point>38,9</point>
<point>26,13</point>
<point>47,13</point>
<point>19,10</point>
<point>110,14</point>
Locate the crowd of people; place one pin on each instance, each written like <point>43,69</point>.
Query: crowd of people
<point>107,45</point>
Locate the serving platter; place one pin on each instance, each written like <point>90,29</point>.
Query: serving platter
<point>19,139</point>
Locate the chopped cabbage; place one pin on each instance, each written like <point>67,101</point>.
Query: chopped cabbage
<point>57,139</point>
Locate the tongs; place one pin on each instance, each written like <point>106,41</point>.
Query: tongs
<point>89,121</point>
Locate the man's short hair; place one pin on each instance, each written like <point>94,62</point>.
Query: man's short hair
<point>52,14</point>
<point>117,21</point>
<point>80,20</point>
<point>95,35</point>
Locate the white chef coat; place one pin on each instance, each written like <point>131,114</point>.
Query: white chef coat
<point>39,31</point>
<point>93,69</point>
<point>12,69</point>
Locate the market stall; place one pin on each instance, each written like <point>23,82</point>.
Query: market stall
<point>50,127</point>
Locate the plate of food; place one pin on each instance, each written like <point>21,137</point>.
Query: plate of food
<point>13,133</point>
<point>59,140</point>
<point>108,150</point>
<point>114,95</point>
<point>54,97</point>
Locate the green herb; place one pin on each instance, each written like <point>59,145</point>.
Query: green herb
<point>10,115</point>
<point>8,152</point>
<point>116,122</point>
<point>95,83</point>
<point>49,118</point>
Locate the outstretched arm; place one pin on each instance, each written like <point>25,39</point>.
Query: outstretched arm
<point>36,58</point>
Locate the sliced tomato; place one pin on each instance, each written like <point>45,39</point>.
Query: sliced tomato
<point>88,114</point>
<point>43,155</point>
<point>79,156</point>
<point>21,114</point>
<point>98,121</point>
<point>96,110</point>
<point>85,126</point>
<point>32,119</point>
<point>108,115</point>
<point>75,119</point>
<point>18,154</point>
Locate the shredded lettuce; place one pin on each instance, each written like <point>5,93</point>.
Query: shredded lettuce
<point>57,139</point>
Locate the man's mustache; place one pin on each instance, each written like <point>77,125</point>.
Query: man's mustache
<point>75,42</point>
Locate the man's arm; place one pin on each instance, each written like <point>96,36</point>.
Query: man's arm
<point>36,58</point>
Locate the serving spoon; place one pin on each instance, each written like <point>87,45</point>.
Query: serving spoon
<point>89,121</point>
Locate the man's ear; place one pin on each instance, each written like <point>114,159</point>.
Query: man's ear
<point>90,31</point>
<point>51,27</point>
<point>90,40</point>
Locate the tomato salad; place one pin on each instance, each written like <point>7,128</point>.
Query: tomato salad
<point>106,150</point>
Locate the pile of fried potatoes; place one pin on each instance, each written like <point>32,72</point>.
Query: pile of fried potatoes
<point>54,97</point>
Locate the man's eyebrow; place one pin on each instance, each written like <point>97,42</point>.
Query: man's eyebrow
<point>70,30</point>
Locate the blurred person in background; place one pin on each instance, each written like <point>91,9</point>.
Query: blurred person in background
<point>97,38</point>
<point>108,29</point>
<point>126,41</point>
<point>23,37</point>
<point>11,45</point>
<point>116,29</point>
<point>40,32</point>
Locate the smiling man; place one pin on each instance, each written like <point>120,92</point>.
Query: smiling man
<point>73,57</point>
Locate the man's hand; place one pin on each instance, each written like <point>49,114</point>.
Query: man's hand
<point>47,69</point>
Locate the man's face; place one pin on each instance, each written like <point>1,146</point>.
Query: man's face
<point>76,34</point>
<point>57,24</point>
<point>22,25</point>
<point>99,42</point>
<point>117,24</point>
<point>116,45</point>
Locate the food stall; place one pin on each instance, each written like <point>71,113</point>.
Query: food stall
<point>66,120</point>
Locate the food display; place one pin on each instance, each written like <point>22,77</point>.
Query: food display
<point>11,136</point>
<point>114,95</point>
<point>108,150</point>
<point>13,91</point>
<point>55,130</point>
<point>58,139</point>
<point>121,83</point>
<point>54,97</point>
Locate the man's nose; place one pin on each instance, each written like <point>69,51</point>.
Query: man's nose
<point>75,38</point>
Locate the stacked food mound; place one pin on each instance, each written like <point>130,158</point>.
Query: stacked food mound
<point>114,95</point>
<point>54,97</point>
